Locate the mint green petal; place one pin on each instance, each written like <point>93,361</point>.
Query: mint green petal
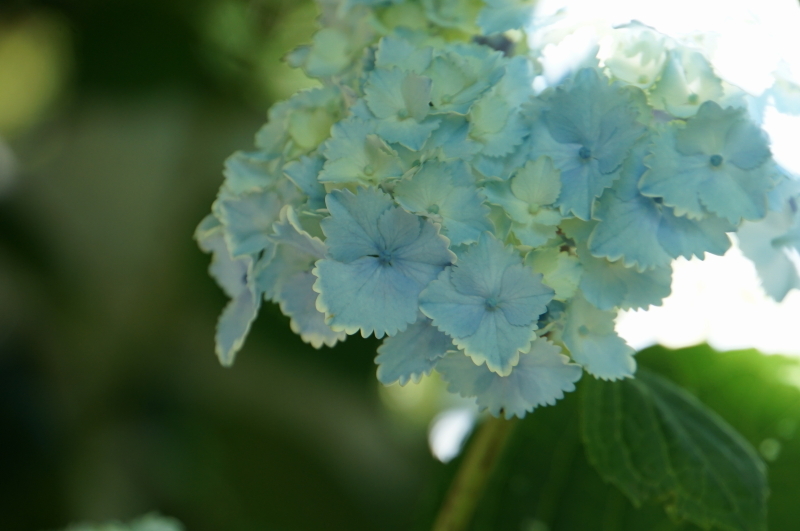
<point>542,376</point>
<point>538,182</point>
<point>303,173</point>
<point>503,15</point>
<point>355,153</point>
<point>412,353</point>
<point>561,271</point>
<point>389,93</point>
<point>461,75</point>
<point>686,82</point>
<point>496,126</point>
<point>298,301</point>
<point>248,220</point>
<point>352,230</point>
<point>250,172</point>
<point>590,337</point>
<point>396,52</point>
<point>610,284</point>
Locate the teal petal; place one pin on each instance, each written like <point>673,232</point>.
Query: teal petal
<point>304,173</point>
<point>380,258</point>
<point>489,303</point>
<point>542,376</point>
<point>412,353</point>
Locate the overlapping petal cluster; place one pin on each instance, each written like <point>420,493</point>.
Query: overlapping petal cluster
<point>428,195</point>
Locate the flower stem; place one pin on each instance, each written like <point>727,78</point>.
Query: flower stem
<point>476,468</point>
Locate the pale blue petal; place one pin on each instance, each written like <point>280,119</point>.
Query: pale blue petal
<point>248,220</point>
<point>293,250</point>
<point>502,15</point>
<point>454,313</point>
<point>379,259</point>
<point>680,236</point>
<point>234,325</point>
<point>352,229</point>
<point>764,243</point>
<point>590,337</point>
<point>298,301</point>
<point>489,303</point>
<point>234,276</point>
<point>304,173</point>
<point>610,284</point>
<point>411,353</point>
<point>365,295</point>
<point>542,376</point>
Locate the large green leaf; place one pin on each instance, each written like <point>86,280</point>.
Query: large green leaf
<point>653,440</point>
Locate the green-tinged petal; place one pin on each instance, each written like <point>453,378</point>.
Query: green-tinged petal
<point>561,271</point>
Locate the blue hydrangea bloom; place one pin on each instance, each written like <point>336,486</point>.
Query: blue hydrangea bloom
<point>379,259</point>
<point>717,163</point>
<point>589,128</point>
<point>488,303</point>
<point>412,353</point>
<point>541,377</point>
<point>445,187</point>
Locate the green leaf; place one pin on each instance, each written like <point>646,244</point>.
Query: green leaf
<point>654,440</point>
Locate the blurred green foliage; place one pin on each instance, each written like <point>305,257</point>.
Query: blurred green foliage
<point>545,482</point>
<point>112,403</point>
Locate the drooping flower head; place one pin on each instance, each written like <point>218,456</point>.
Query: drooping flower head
<point>428,195</point>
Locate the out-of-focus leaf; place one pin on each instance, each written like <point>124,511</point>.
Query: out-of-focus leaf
<point>656,441</point>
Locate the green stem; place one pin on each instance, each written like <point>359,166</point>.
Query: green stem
<point>476,468</point>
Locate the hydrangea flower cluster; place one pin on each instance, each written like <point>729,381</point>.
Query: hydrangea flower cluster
<point>427,194</point>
